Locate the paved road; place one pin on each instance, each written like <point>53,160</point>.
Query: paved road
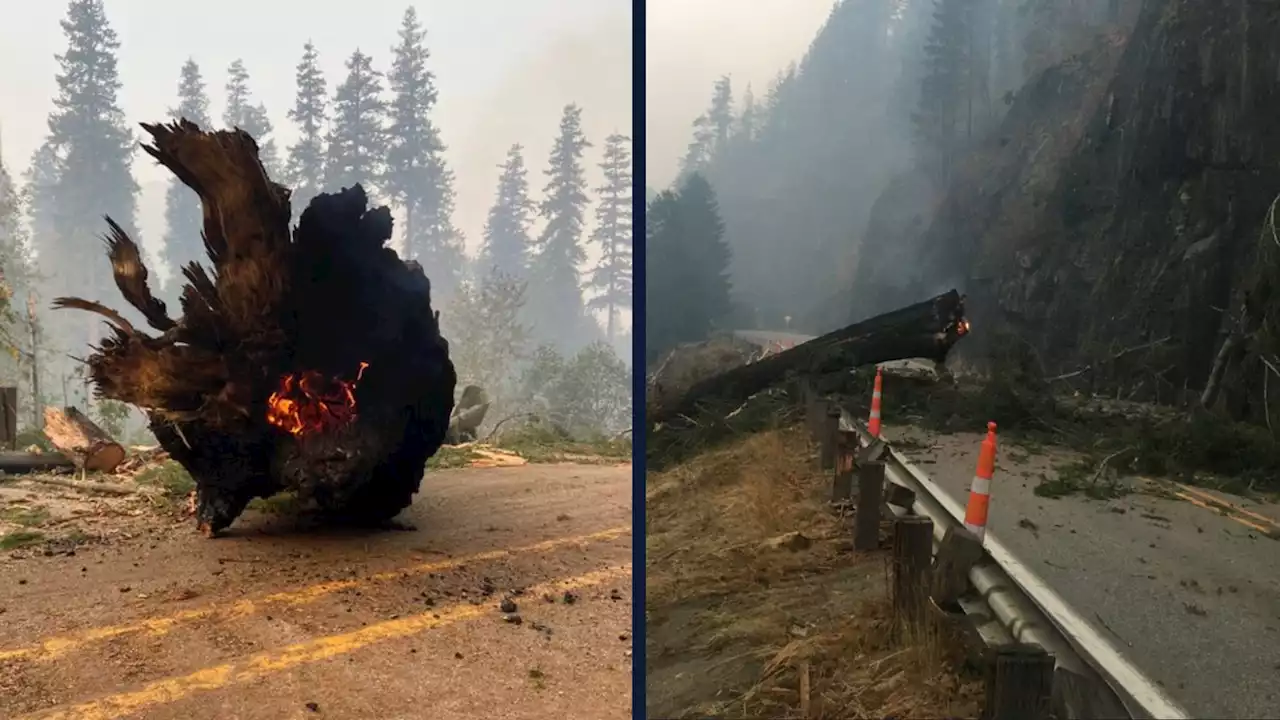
<point>766,338</point>
<point>1188,587</point>
<point>273,622</point>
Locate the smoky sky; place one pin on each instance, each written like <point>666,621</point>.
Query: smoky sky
<point>504,69</point>
<point>688,44</point>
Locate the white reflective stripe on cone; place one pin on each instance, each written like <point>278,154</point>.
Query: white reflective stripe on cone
<point>978,530</point>
<point>981,485</point>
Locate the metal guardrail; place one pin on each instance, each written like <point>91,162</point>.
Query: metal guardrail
<point>1093,680</point>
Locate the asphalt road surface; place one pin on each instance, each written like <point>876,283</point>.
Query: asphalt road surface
<point>275,622</point>
<point>1185,581</point>
<point>766,338</point>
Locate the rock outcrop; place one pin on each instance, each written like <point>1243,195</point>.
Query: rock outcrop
<point>1114,219</point>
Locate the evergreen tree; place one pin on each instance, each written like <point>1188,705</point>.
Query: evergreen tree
<point>14,245</point>
<point>612,277</point>
<point>242,113</point>
<point>711,129</point>
<point>807,157</point>
<point>91,147</point>
<point>686,267</point>
<point>555,296</point>
<point>183,217</point>
<point>953,92</point>
<point>417,177</point>
<point>41,185</point>
<point>305,170</point>
<point>357,132</point>
<point>506,231</point>
<point>15,279</point>
<point>749,121</point>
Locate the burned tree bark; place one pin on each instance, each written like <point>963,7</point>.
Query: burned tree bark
<point>925,330</point>
<point>311,363</point>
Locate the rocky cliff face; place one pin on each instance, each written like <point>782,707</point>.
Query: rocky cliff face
<point>1115,217</point>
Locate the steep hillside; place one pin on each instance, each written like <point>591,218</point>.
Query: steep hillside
<point>1114,218</point>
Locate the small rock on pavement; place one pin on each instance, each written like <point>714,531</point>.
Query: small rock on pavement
<point>507,605</point>
<point>570,598</point>
<point>313,707</point>
<point>793,541</point>
<point>512,618</point>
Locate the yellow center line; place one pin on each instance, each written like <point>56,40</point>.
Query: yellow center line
<point>260,665</point>
<point>56,646</point>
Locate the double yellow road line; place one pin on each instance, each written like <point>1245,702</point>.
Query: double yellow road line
<point>266,663</point>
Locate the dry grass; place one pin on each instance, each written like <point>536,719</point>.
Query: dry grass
<point>733,623</point>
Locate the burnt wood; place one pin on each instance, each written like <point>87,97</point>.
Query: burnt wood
<point>925,330</point>
<point>308,360</point>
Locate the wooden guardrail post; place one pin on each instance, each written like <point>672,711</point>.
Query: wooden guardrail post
<point>842,479</point>
<point>866,520</point>
<point>912,552</point>
<point>1019,683</point>
<point>829,436</point>
<point>815,409</point>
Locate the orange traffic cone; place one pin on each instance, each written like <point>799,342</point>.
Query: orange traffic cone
<point>975,515</point>
<point>873,424</point>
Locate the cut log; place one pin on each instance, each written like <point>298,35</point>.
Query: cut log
<point>20,463</point>
<point>468,415</point>
<point>925,330</point>
<point>463,425</point>
<point>88,446</point>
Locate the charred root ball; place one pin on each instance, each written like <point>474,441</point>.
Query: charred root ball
<point>310,362</point>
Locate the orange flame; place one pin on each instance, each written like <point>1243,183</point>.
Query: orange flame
<point>308,402</point>
<point>963,328</point>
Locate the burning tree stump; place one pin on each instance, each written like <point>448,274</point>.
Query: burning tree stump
<point>313,363</point>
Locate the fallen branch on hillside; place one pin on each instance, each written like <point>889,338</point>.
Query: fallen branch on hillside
<point>1102,466</point>
<point>1118,356</point>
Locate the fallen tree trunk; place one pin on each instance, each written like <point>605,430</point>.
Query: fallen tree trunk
<point>20,463</point>
<point>925,330</point>
<point>308,361</point>
<point>77,437</point>
<point>118,489</point>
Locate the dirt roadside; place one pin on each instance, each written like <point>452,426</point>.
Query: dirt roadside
<point>125,611</point>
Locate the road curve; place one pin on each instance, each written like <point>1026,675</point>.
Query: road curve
<point>275,621</point>
<point>767,338</point>
<point>1186,585</point>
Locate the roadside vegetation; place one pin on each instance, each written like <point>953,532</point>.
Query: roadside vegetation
<point>757,605</point>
